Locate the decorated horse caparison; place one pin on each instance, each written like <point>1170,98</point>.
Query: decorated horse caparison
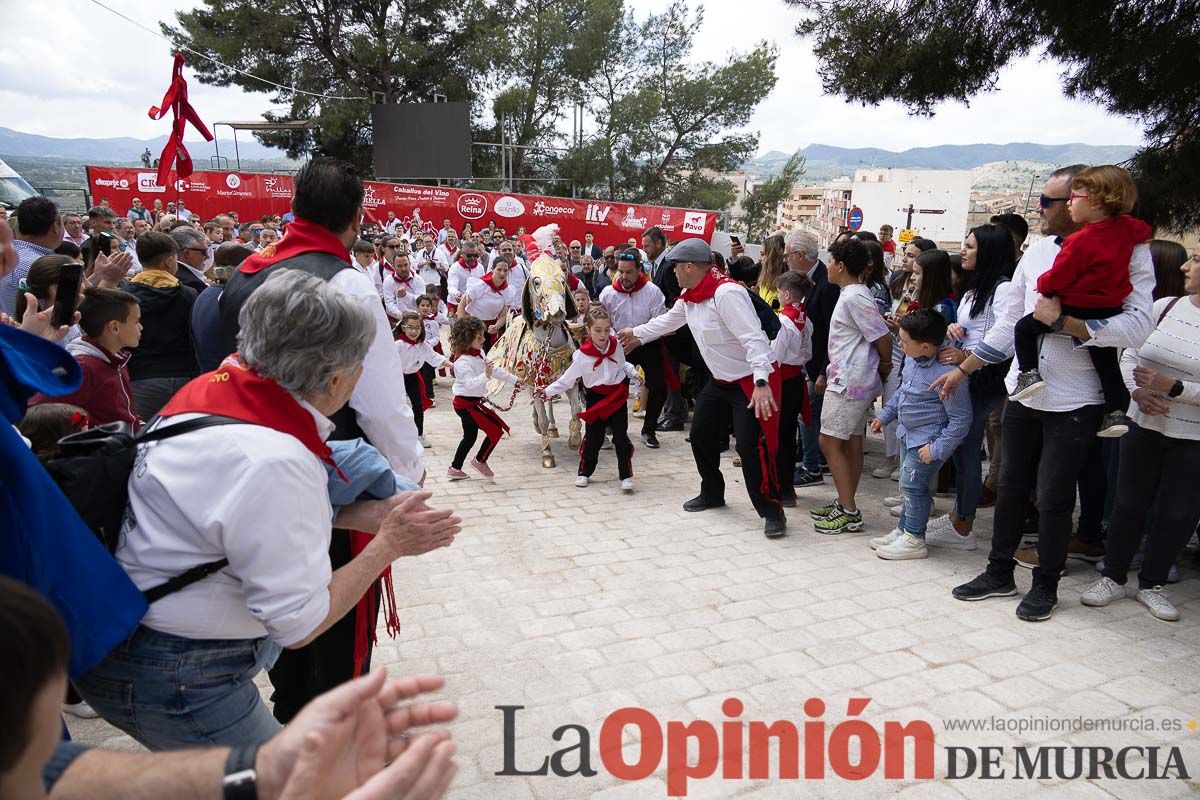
<point>537,345</point>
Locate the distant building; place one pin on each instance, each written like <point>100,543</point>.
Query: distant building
<point>940,201</point>
<point>799,209</point>
<point>832,214</point>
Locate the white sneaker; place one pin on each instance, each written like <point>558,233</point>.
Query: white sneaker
<point>883,541</point>
<point>938,522</point>
<point>894,500</point>
<point>1102,592</point>
<point>1159,603</point>
<point>424,442</point>
<point>895,475</point>
<point>627,485</point>
<point>886,470</point>
<point>904,548</point>
<point>581,481</point>
<point>81,710</point>
<point>949,538</point>
<point>895,510</point>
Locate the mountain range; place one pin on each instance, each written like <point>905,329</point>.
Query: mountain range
<point>823,158</point>
<point>125,150</point>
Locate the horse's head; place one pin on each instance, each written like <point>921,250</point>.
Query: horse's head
<point>546,300</point>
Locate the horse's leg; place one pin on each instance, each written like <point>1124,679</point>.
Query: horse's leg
<point>539,416</point>
<point>576,426</point>
<point>552,428</point>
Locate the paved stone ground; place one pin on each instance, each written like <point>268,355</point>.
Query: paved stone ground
<point>577,602</point>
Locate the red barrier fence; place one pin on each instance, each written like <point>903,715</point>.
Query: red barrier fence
<point>253,194</point>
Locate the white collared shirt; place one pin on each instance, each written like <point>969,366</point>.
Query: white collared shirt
<point>250,494</point>
<point>458,279</point>
<point>430,272</point>
<point>484,302</point>
<point>433,327</point>
<point>792,345</point>
<point>379,401</point>
<point>628,310</point>
<point>470,376</point>
<point>415,354</point>
<point>395,303</point>
<point>613,369</point>
<point>1071,380</point>
<point>726,330</point>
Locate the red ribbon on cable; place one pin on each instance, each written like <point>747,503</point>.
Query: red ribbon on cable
<point>176,100</point>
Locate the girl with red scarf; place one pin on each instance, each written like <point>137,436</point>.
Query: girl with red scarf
<point>792,348</point>
<point>600,363</point>
<point>471,374</point>
<point>415,355</point>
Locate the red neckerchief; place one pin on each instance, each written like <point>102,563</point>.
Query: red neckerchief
<point>237,391</point>
<point>706,288</point>
<point>450,250</point>
<point>490,281</point>
<point>641,281</point>
<point>407,280</point>
<point>794,312</point>
<point>572,281</point>
<point>429,317</point>
<point>589,348</point>
<point>471,352</point>
<point>302,236</point>
<point>462,262</point>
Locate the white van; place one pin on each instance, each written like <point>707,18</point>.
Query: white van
<point>13,188</point>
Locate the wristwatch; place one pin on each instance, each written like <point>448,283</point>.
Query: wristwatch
<point>1176,390</point>
<point>241,779</point>
<point>1057,325</point>
<point>760,382</point>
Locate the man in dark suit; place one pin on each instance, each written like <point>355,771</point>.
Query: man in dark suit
<point>590,248</point>
<point>193,253</point>
<point>680,345</point>
<point>801,252</point>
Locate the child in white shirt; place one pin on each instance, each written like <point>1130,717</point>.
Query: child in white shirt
<point>433,316</point>
<point>792,348</point>
<point>415,354</point>
<point>471,374</point>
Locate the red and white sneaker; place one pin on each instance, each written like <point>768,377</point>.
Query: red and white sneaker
<point>482,468</point>
<point>456,474</point>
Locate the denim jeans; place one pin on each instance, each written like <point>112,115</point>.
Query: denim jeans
<point>916,482</point>
<point>968,459</point>
<point>169,692</point>
<point>810,435</point>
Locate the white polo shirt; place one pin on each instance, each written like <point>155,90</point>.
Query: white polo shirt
<point>628,310</point>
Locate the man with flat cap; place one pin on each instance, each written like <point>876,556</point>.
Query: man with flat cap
<point>744,386</point>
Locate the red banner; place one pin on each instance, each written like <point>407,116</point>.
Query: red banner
<point>252,195</point>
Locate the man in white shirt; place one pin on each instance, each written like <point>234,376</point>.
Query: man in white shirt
<point>445,232</point>
<point>518,270</point>
<point>631,301</point>
<point>401,288</point>
<point>731,341</point>
<point>447,252</point>
<point>392,225</point>
<point>460,273</point>
<point>1062,420</point>
<point>425,261</point>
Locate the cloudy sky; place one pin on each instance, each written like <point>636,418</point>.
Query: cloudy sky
<point>68,68</point>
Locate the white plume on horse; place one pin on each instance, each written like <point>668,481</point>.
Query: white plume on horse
<point>539,241</point>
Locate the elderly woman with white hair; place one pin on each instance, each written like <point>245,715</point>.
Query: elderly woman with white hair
<point>248,495</point>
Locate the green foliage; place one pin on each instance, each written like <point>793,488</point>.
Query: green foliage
<point>759,206</point>
<point>664,122</point>
<point>1136,58</point>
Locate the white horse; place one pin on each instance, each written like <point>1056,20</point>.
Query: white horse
<point>537,347</point>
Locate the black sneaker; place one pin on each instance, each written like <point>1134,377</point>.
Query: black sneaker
<point>805,478</point>
<point>1037,604</point>
<point>670,426</point>
<point>788,500</point>
<point>1029,383</point>
<point>700,504</point>
<point>1114,425</point>
<point>650,440</point>
<point>775,527</point>
<point>985,586</point>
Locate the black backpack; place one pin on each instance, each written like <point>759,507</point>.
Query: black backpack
<point>93,469</point>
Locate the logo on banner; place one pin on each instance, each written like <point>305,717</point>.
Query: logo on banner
<point>472,206</point>
<point>541,209</point>
<point>113,183</point>
<point>233,181</point>
<point>693,222</point>
<point>630,221</point>
<point>509,207</point>
<point>181,185</point>
<point>369,198</point>
<point>275,189</point>
<point>597,214</point>
<point>666,217</point>
<point>148,182</point>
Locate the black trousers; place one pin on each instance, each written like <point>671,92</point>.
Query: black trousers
<point>1105,360</point>
<point>1157,474</point>
<point>593,437</point>
<point>790,400</point>
<point>427,374</point>
<point>1064,440</point>
<point>326,662</point>
<point>470,434</point>
<point>412,387</point>
<point>650,358</point>
<point>717,405</point>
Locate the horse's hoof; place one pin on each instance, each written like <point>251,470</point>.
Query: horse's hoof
<point>548,462</point>
<point>552,432</point>
<point>575,441</point>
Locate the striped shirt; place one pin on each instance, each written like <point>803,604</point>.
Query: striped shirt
<point>1172,349</point>
<point>27,253</point>
<point>924,416</point>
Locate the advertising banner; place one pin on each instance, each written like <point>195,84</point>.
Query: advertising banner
<point>252,195</point>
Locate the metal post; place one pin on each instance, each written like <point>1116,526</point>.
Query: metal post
<point>235,150</point>
<point>1029,197</point>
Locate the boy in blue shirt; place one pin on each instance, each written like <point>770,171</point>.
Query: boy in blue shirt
<point>930,430</point>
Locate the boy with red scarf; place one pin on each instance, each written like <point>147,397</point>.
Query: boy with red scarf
<point>792,349</point>
<point>745,384</point>
<point>471,374</point>
<point>600,363</point>
<point>633,300</point>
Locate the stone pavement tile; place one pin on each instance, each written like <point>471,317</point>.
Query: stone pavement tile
<point>888,665</point>
<point>1020,692</point>
<point>1138,691</point>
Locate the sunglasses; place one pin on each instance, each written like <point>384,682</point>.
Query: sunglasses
<point>625,257</point>
<point>471,258</point>
<point>1045,201</point>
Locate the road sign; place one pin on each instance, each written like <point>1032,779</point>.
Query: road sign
<point>855,218</point>
<point>907,235</point>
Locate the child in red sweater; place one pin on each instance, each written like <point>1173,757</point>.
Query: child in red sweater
<point>1090,275</point>
<point>111,322</point>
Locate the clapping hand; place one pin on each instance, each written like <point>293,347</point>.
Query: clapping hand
<point>37,322</point>
<point>111,269</point>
